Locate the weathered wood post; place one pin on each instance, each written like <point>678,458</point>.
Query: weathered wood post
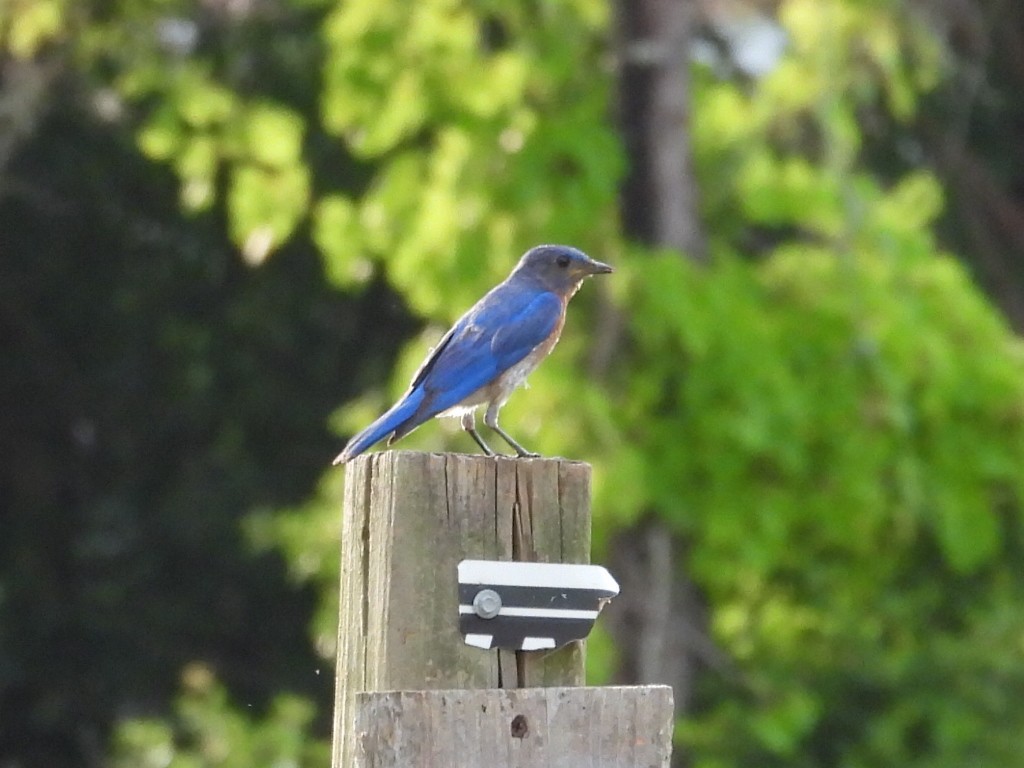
<point>409,691</point>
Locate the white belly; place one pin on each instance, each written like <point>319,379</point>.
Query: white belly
<point>499,390</point>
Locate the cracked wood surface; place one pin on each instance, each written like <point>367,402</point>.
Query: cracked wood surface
<point>409,518</point>
<point>614,727</point>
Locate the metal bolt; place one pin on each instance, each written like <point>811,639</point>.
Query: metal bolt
<point>487,603</point>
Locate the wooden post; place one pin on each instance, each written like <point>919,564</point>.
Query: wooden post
<point>550,727</point>
<point>409,519</point>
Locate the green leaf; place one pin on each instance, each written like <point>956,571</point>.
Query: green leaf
<point>265,207</point>
<point>29,25</point>
<point>273,135</point>
<point>338,235</point>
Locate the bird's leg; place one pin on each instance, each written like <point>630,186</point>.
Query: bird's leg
<point>469,424</point>
<point>491,420</point>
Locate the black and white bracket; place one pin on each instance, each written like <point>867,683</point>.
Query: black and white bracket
<point>530,606</point>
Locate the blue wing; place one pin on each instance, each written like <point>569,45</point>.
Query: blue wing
<point>491,338</point>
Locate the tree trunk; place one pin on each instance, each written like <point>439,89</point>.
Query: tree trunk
<point>658,621</point>
<point>659,195</point>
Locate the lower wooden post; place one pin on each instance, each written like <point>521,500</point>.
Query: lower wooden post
<point>551,727</point>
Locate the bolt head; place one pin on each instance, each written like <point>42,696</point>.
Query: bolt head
<point>487,603</point>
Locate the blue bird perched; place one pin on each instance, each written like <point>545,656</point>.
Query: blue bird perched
<point>490,351</point>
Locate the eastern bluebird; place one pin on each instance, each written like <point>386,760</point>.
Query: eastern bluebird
<point>490,351</point>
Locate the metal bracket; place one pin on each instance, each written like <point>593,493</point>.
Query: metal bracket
<point>530,606</point>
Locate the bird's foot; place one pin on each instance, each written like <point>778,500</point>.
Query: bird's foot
<point>527,455</point>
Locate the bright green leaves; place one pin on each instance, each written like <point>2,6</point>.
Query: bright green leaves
<point>781,191</point>
<point>838,428</point>
<point>188,130</point>
<point>206,131</point>
<point>202,103</point>
<point>861,345</point>
<point>265,204</point>
<point>787,148</point>
<point>339,234</point>
<point>808,390</point>
<point>209,132</point>
<point>903,217</point>
<point>272,135</point>
<point>26,25</point>
<point>841,438</point>
<point>468,133</point>
<point>394,68</point>
<point>481,141</point>
<point>194,109</point>
<point>861,50</point>
<point>270,185</point>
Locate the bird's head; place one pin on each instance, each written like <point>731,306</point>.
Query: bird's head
<point>559,268</point>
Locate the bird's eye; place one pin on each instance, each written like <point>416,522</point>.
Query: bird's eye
<point>562,261</point>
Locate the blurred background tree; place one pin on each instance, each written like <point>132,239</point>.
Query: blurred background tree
<point>229,229</point>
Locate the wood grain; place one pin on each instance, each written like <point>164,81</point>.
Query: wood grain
<point>409,518</point>
<point>614,727</point>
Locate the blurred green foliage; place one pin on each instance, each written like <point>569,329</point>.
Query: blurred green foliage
<point>830,413</point>
<point>207,731</point>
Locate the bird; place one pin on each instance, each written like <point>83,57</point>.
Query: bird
<point>489,351</point>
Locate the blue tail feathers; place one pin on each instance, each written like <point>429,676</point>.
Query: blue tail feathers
<point>399,413</point>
